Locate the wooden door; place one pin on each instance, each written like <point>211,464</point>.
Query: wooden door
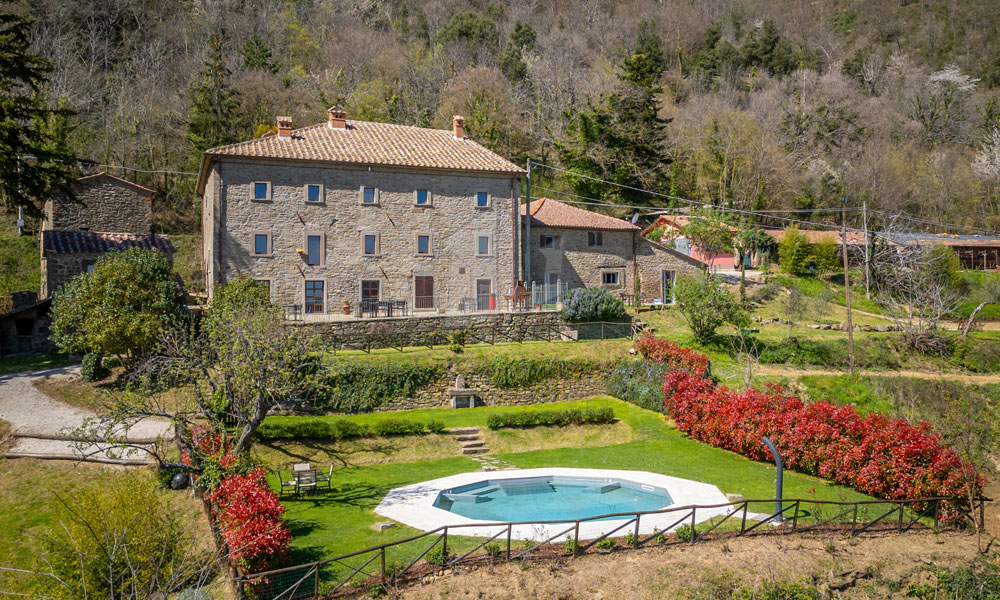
<point>424,291</point>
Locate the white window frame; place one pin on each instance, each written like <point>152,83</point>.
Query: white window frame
<point>361,195</point>
<point>253,191</point>
<point>489,244</point>
<point>378,243</point>
<point>253,243</point>
<point>430,198</point>
<point>430,244</point>
<point>489,200</point>
<point>305,193</point>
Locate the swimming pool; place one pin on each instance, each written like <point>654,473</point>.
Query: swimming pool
<point>422,505</point>
<point>550,498</point>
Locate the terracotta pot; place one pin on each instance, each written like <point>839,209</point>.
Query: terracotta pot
<point>346,307</point>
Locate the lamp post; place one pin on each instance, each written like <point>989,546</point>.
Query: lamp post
<point>777,488</point>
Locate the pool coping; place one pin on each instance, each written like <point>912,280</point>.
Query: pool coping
<point>413,504</point>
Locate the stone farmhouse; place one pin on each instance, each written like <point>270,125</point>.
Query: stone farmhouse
<point>339,216</point>
<point>581,248</point>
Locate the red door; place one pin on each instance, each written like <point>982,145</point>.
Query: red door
<point>424,296</point>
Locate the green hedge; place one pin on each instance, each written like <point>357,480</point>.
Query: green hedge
<point>508,372</point>
<point>639,382</point>
<point>356,387</point>
<point>551,418</point>
<point>342,429</point>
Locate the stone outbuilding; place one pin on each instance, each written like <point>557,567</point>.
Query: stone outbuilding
<point>25,327</point>
<point>108,213</point>
<point>581,248</point>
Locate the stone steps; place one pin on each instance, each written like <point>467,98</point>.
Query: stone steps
<point>469,439</point>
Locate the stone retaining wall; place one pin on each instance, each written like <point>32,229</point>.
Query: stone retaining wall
<point>550,390</point>
<point>435,329</point>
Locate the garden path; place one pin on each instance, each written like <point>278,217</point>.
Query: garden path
<point>38,419</point>
<point>782,371</point>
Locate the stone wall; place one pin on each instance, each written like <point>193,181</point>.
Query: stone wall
<point>653,260</point>
<point>105,204</point>
<point>552,390</point>
<point>577,264</point>
<point>232,218</point>
<point>417,331</point>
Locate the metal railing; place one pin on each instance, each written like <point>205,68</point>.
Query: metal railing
<point>354,571</point>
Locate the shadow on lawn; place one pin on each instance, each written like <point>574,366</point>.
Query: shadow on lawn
<point>302,450</point>
<point>361,495</point>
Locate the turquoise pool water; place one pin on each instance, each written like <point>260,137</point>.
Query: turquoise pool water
<point>550,498</point>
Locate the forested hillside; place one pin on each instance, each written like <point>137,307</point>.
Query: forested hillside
<point>755,104</point>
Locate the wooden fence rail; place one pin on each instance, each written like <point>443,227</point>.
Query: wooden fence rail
<point>308,581</point>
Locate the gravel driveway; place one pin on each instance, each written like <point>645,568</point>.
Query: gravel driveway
<point>31,412</point>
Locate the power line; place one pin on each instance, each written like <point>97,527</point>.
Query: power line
<point>147,171</point>
<point>595,202</point>
<point>939,224</point>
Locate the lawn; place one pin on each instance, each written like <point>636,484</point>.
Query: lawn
<point>30,492</point>
<point>340,521</point>
<point>34,362</point>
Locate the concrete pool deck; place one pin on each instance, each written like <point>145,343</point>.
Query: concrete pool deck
<point>413,504</point>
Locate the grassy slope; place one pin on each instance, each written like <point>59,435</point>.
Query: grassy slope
<point>187,259</point>
<point>33,362</point>
<point>19,262</point>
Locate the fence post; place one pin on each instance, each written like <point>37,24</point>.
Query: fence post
<point>982,512</point>
<point>795,515</point>
<point>694,534</point>
<point>382,560</point>
<point>602,330</point>
<point>937,505</point>
<point>316,581</point>
<point>444,545</point>
<point>508,540</point>
<point>635,539</point>
<point>899,524</point>
<point>854,521</point>
<point>576,539</point>
<point>743,525</point>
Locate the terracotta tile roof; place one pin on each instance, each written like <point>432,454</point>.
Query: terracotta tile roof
<point>366,143</point>
<point>90,242</point>
<point>546,212</point>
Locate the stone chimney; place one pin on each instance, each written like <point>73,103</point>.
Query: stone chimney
<point>285,128</point>
<point>338,118</point>
<point>458,127</point>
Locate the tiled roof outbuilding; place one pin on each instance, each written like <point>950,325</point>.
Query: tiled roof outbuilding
<point>546,212</point>
<point>90,242</point>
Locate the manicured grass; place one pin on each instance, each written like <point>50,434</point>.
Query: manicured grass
<point>592,350</point>
<point>340,521</point>
<point>34,362</point>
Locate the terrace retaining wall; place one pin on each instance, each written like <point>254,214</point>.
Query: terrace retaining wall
<point>557,389</point>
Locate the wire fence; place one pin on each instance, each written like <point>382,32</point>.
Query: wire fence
<point>410,558</point>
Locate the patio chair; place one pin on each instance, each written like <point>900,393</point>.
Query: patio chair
<point>327,479</point>
<point>285,483</point>
<point>305,480</point>
<point>301,467</point>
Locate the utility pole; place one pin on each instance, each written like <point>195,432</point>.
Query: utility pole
<point>527,226</point>
<point>868,270</point>
<point>847,281</point>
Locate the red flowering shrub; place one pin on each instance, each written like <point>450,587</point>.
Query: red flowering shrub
<point>249,518</point>
<point>672,355</point>
<point>876,455</point>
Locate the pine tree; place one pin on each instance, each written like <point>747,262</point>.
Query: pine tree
<point>257,56</point>
<point>621,138</point>
<point>214,119</point>
<point>35,158</point>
